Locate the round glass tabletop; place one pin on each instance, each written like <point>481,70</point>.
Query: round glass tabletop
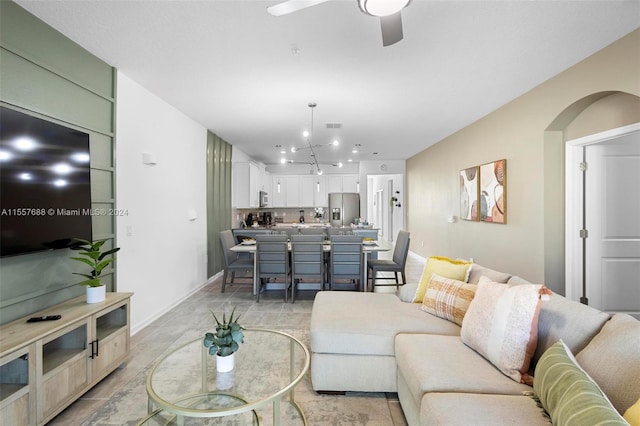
<point>184,381</point>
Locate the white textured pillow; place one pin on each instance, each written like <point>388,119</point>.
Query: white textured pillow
<point>501,324</point>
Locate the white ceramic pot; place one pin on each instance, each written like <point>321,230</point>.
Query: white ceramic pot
<point>225,364</point>
<point>96,294</point>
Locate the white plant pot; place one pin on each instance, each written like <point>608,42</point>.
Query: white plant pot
<point>225,364</point>
<point>96,294</point>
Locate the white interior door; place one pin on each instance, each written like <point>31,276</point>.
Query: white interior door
<point>390,234</point>
<point>612,204</point>
<point>379,213</point>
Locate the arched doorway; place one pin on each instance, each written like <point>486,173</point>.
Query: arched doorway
<point>592,114</point>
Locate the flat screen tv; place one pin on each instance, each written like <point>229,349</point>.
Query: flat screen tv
<point>45,186</point>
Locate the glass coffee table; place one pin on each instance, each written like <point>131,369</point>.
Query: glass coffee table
<point>184,387</point>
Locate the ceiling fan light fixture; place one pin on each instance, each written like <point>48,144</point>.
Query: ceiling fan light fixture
<point>382,7</point>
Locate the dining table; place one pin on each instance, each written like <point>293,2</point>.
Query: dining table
<point>368,246</point>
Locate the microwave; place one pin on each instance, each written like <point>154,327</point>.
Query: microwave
<point>264,199</point>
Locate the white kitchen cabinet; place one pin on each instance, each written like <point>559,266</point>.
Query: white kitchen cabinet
<point>288,195</point>
<point>277,195</point>
<point>307,191</point>
<point>313,191</point>
<point>292,190</point>
<point>321,194</point>
<point>342,183</point>
<point>246,185</point>
<point>264,181</point>
<point>334,183</point>
<point>350,183</point>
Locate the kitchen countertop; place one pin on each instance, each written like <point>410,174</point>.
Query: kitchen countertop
<point>304,225</point>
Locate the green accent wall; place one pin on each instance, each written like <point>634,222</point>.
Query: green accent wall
<point>44,74</point>
<point>218,199</point>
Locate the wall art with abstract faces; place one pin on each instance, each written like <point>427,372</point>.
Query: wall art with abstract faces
<point>493,192</point>
<point>469,192</point>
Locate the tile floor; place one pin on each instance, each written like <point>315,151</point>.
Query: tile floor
<point>121,399</point>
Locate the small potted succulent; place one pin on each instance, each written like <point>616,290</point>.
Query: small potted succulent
<point>225,341</point>
<point>95,258</point>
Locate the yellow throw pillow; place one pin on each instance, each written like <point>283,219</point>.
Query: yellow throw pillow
<point>445,267</point>
<point>632,415</point>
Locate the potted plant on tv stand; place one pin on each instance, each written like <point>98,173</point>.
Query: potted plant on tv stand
<point>225,341</point>
<point>95,258</point>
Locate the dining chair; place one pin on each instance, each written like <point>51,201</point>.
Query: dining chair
<point>307,260</point>
<point>272,260</point>
<point>346,259</point>
<point>232,262</point>
<point>397,264</point>
<point>368,233</point>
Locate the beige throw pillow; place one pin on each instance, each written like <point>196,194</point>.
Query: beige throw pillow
<point>612,358</point>
<point>448,298</point>
<point>501,324</point>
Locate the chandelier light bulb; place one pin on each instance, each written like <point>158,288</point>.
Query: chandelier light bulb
<point>340,164</point>
<point>305,134</point>
<point>283,160</point>
<point>336,142</point>
<point>293,149</point>
<point>319,172</point>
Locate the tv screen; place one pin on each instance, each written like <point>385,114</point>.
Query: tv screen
<point>45,186</point>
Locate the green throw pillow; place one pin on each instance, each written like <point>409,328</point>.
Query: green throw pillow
<point>567,392</point>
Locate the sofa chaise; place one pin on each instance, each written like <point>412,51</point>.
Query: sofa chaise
<point>374,342</point>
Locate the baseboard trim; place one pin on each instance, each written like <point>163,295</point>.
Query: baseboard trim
<point>142,325</point>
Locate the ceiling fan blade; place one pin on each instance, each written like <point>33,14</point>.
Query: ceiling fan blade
<point>292,6</point>
<point>391,28</point>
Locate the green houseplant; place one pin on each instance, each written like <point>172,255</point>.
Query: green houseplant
<point>94,257</point>
<point>91,254</point>
<point>225,341</point>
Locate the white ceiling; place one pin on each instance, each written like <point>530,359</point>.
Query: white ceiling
<point>248,76</point>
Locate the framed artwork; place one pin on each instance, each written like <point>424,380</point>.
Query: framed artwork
<point>469,192</point>
<point>493,192</point>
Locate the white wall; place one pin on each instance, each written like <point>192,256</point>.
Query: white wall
<point>163,252</point>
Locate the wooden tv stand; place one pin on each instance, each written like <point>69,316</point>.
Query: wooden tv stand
<point>45,366</point>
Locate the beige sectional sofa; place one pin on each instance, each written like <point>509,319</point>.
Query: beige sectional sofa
<point>376,342</point>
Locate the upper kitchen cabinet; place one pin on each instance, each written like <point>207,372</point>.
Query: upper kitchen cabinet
<point>285,191</point>
<point>313,191</point>
<point>342,183</point>
<point>246,185</point>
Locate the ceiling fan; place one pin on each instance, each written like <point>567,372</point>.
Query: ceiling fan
<point>389,12</point>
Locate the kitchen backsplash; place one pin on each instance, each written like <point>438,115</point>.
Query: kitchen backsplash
<point>281,215</point>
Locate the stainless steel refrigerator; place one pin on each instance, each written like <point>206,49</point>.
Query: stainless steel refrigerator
<point>344,208</point>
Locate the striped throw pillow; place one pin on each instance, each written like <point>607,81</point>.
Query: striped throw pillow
<point>448,298</point>
<point>568,393</point>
